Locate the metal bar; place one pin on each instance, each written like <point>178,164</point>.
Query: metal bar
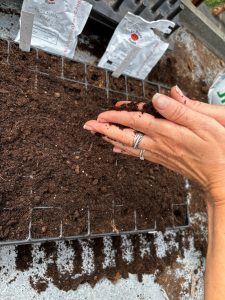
<point>27,21</point>
<point>107,84</point>
<point>99,235</point>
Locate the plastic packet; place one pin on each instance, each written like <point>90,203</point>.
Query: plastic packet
<point>55,6</point>
<point>134,48</point>
<point>57,24</point>
<point>216,94</point>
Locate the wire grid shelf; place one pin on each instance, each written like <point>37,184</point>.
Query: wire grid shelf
<point>89,234</point>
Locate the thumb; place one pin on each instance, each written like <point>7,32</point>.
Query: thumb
<point>178,113</point>
<point>215,111</point>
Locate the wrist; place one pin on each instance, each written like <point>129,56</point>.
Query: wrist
<point>216,186</point>
<point>216,190</point>
<point>218,223</point>
<point>218,197</point>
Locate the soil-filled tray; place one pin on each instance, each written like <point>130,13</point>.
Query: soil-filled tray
<point>66,181</point>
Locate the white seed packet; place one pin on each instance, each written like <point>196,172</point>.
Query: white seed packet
<point>56,6</point>
<point>216,94</point>
<point>57,24</point>
<point>134,48</point>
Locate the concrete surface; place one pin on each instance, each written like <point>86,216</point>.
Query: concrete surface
<point>15,284</point>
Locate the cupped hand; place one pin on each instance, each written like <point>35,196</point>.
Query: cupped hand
<point>190,140</point>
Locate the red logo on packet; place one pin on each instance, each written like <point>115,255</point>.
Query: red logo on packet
<point>134,36</point>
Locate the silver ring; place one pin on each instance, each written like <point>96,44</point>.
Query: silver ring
<point>141,155</point>
<point>137,139</point>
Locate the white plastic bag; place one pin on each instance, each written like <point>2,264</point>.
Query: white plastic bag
<point>134,48</point>
<point>216,94</point>
<point>57,24</point>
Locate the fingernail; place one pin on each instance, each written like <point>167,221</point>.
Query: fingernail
<point>178,90</point>
<point>160,101</point>
<point>155,96</point>
<point>117,150</point>
<point>87,127</point>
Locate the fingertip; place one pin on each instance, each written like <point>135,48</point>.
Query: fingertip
<point>102,118</point>
<point>178,91</point>
<point>119,103</point>
<point>178,95</point>
<point>173,91</point>
<point>88,124</point>
<point>117,150</point>
<point>87,127</point>
<point>160,101</point>
<point>156,96</point>
<point>106,116</point>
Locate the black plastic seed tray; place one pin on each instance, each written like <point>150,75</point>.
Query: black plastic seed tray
<point>111,12</point>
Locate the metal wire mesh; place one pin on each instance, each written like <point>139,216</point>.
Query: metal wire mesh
<point>36,213</point>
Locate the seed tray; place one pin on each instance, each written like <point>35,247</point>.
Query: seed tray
<point>37,228</point>
<point>111,12</point>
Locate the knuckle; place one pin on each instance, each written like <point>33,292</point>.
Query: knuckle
<point>129,151</point>
<point>150,122</point>
<point>178,113</point>
<point>132,122</point>
<point>212,130</point>
<point>127,135</point>
<point>178,153</point>
<point>105,129</point>
<point>105,126</point>
<point>195,104</point>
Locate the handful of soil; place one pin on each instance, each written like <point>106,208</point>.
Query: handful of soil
<point>147,108</point>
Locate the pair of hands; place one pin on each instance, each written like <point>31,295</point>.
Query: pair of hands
<point>190,140</point>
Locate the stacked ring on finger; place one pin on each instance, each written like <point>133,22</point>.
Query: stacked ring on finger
<point>137,139</point>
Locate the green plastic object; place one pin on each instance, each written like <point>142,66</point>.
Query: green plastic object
<point>213,3</point>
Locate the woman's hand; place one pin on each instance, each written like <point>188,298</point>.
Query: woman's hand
<point>190,140</point>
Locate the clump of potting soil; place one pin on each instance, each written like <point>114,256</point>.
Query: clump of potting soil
<point>147,108</point>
